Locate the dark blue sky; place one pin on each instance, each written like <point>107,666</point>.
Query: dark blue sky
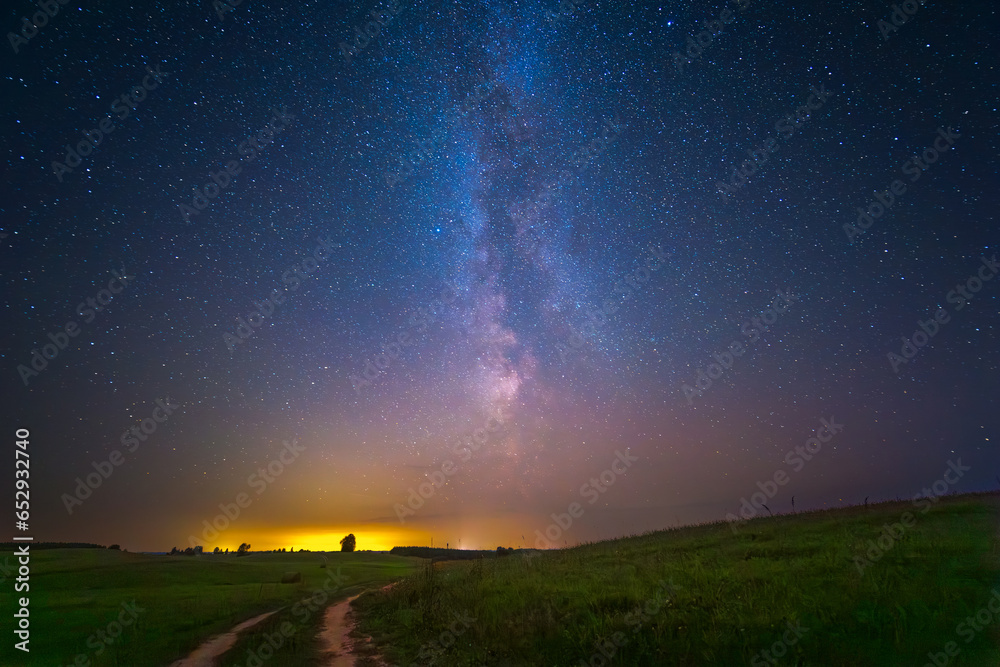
<point>480,215</point>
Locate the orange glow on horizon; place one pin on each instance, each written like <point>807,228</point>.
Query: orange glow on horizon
<point>455,533</point>
<point>369,539</point>
<point>325,538</point>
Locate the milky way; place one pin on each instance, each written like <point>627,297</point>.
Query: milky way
<point>513,241</point>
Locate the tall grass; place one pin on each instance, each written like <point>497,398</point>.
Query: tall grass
<point>719,598</point>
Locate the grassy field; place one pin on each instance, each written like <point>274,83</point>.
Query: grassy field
<point>179,602</point>
<point>704,595</point>
<point>809,589</point>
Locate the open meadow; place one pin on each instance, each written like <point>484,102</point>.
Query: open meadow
<point>847,587</point>
<point>172,603</point>
<point>797,586</point>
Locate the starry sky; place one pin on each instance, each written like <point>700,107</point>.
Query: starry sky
<point>436,271</point>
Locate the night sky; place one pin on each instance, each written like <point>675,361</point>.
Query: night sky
<point>326,256</point>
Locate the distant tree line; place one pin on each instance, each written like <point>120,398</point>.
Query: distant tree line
<point>454,554</point>
<point>242,550</point>
<point>190,551</point>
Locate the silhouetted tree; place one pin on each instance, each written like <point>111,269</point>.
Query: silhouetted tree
<point>243,549</point>
<point>116,547</point>
<point>173,551</point>
<point>217,550</point>
<point>348,543</point>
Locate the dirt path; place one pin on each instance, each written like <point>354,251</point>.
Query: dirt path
<point>339,650</point>
<point>205,655</point>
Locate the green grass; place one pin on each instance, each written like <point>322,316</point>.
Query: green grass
<point>76,592</point>
<point>699,595</point>
<point>732,595</point>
